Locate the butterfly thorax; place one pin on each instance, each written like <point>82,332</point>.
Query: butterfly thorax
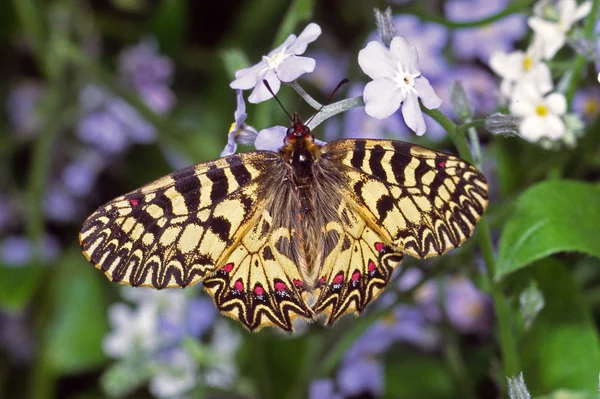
<point>301,154</point>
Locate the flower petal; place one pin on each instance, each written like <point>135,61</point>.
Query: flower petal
<point>382,98</point>
<point>411,111</point>
<point>376,61</point>
<point>553,38</point>
<point>557,103</point>
<point>270,139</point>
<point>260,92</point>
<point>231,146</point>
<point>426,93</point>
<point>247,78</point>
<point>292,67</point>
<point>406,54</point>
<point>509,66</point>
<point>308,35</point>
<point>240,110</point>
<point>582,11</point>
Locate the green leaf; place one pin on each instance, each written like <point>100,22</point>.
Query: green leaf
<point>561,350</point>
<point>78,323</point>
<point>17,286</point>
<point>565,394</point>
<point>551,217</point>
<point>413,375</point>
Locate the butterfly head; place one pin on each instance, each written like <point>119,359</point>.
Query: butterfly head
<point>298,129</point>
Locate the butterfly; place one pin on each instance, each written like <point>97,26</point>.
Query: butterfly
<point>311,231</point>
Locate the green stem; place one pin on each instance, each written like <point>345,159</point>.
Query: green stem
<point>513,8</point>
<point>507,342</point>
<point>580,60</point>
<point>34,26</point>
<point>467,125</point>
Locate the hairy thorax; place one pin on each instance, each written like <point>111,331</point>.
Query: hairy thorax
<point>302,156</point>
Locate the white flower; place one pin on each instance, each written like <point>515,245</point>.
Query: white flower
<point>540,112</point>
<point>553,22</point>
<point>239,132</point>
<point>518,66</point>
<point>281,65</point>
<point>175,377</point>
<point>397,80</point>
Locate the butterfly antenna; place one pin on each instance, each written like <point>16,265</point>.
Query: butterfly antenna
<point>339,86</point>
<point>274,96</point>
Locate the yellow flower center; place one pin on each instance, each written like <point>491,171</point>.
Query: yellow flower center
<point>591,107</point>
<point>388,319</point>
<point>232,127</point>
<point>541,110</point>
<point>527,63</point>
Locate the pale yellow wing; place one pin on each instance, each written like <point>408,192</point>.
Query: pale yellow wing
<point>259,283</point>
<point>422,202</point>
<point>177,230</point>
<point>356,269</point>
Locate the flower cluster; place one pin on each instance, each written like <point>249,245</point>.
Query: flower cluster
<point>149,334</point>
<point>455,301</point>
<point>397,82</point>
<point>527,85</point>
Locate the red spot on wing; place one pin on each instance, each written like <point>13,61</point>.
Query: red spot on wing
<point>258,290</point>
<point>338,278</point>
<point>238,285</point>
<point>355,276</point>
<point>279,286</point>
<point>371,266</point>
<point>379,246</point>
<point>442,164</point>
<point>321,282</point>
<point>134,202</point>
<point>227,268</point>
<point>298,283</point>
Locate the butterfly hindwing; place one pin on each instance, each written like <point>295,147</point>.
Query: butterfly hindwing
<point>356,270</point>
<point>175,231</point>
<point>259,284</point>
<point>426,202</point>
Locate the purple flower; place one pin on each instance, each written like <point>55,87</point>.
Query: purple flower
<point>361,376</point>
<point>468,309</point>
<point>586,103</point>
<point>79,177</point>
<point>481,42</point>
<point>101,130</point>
<point>239,132</point>
<point>397,81</point>
<point>283,64</point>
<point>59,205</point>
<point>201,314</point>
<point>141,66</point>
<point>21,107</point>
<point>17,251</point>
<point>323,388</point>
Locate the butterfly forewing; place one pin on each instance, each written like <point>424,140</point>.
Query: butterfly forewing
<point>175,231</point>
<point>425,202</point>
